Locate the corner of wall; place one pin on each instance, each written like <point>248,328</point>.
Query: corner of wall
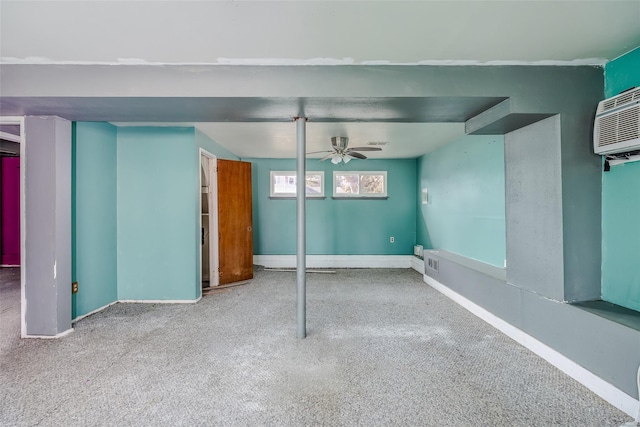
<point>620,271</point>
<point>95,203</point>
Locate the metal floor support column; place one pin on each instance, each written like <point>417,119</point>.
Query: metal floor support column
<point>301,249</point>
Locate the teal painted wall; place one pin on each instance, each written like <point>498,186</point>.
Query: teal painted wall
<point>94,197</point>
<point>115,193</point>
<point>621,205</point>
<point>465,213</point>
<point>213,147</point>
<point>337,227</point>
<point>622,73</point>
<point>157,197</point>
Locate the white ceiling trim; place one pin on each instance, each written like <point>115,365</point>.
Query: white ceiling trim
<point>310,62</point>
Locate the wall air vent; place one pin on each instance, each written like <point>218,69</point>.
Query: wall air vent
<point>617,125</point>
<point>432,263</point>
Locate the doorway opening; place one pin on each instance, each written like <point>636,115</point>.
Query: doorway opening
<point>208,201</point>
<point>12,219</point>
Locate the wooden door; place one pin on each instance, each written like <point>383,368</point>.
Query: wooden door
<point>234,221</point>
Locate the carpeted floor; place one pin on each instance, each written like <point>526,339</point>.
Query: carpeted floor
<point>383,349</point>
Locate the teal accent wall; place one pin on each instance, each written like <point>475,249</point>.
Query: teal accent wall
<point>157,184</point>
<point>94,201</point>
<point>465,213</point>
<point>621,205</point>
<point>337,227</point>
<point>203,141</point>
<point>135,217</point>
<point>622,73</point>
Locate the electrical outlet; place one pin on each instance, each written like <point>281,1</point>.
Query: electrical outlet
<point>74,288</point>
<point>392,239</point>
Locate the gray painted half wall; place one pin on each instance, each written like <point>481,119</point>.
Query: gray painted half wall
<point>608,349</point>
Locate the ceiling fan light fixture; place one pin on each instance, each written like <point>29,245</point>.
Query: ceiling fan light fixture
<point>340,153</point>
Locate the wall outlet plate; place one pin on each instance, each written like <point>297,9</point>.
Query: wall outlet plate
<point>74,288</point>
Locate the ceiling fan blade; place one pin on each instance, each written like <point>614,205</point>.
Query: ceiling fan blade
<point>328,156</point>
<point>323,151</point>
<point>365,149</point>
<point>356,155</point>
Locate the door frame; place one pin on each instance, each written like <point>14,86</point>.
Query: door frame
<point>212,174</point>
<point>19,120</point>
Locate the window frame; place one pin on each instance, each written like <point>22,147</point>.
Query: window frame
<point>274,195</point>
<point>384,195</point>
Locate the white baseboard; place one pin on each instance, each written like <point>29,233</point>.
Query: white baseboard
<point>161,301</point>
<point>336,261</point>
<point>608,392</point>
<point>97,310</point>
<point>417,264</point>
<point>50,337</point>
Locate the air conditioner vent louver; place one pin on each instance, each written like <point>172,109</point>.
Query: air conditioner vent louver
<point>617,128</point>
<point>620,127</point>
<point>629,124</point>
<point>620,100</point>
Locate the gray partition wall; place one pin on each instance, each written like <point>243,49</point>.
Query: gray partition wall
<point>533,201</point>
<point>47,239</point>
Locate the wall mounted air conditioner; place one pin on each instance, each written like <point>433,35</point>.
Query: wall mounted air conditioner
<point>617,125</point>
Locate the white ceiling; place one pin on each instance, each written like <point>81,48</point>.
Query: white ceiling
<point>278,140</point>
<point>319,32</point>
<point>296,31</point>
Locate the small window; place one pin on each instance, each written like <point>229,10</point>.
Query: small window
<point>359,184</point>
<point>283,184</point>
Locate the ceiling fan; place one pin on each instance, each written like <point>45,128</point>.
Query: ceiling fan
<point>340,152</point>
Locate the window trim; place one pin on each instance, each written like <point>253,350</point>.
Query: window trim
<point>384,195</point>
<point>274,195</point>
